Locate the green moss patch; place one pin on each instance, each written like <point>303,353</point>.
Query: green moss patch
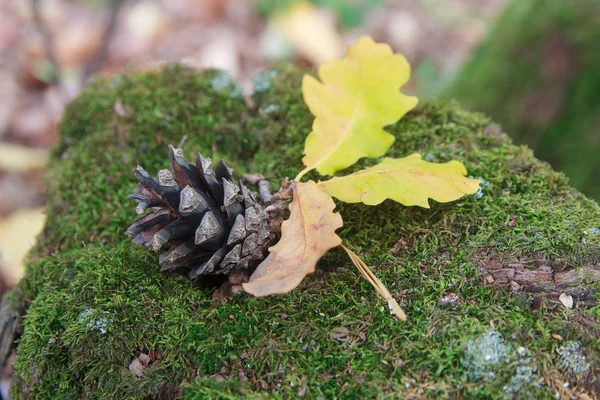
<point>96,301</point>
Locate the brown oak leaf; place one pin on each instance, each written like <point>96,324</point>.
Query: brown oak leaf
<point>305,237</point>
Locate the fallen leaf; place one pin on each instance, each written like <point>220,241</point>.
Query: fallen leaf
<point>357,97</point>
<point>9,98</point>
<point>16,158</point>
<point>305,237</point>
<point>17,234</point>
<point>566,300</point>
<point>557,336</point>
<point>409,181</point>
<point>77,42</point>
<point>312,34</point>
<point>146,20</point>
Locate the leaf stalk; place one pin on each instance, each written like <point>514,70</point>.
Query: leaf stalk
<point>366,272</point>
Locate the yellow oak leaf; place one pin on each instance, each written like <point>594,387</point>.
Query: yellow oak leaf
<point>356,98</point>
<point>305,237</point>
<point>409,181</point>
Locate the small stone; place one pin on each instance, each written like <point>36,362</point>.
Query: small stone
<point>136,367</point>
<point>514,287</point>
<point>144,359</point>
<point>566,300</point>
<point>449,300</point>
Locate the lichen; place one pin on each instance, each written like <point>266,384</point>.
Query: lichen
<point>482,187</point>
<point>572,359</point>
<point>225,83</point>
<point>90,319</point>
<point>593,231</point>
<point>262,81</point>
<point>281,346</point>
<point>482,354</point>
<point>269,109</point>
<point>524,376</point>
<point>490,359</point>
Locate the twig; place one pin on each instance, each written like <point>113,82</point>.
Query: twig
<point>48,42</point>
<point>264,190</point>
<point>253,179</point>
<point>115,6</point>
<point>264,186</point>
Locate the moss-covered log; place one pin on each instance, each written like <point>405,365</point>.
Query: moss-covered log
<point>102,321</point>
<point>538,74</point>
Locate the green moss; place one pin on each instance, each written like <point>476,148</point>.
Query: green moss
<point>97,301</point>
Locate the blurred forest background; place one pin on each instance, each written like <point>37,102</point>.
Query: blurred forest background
<point>533,65</point>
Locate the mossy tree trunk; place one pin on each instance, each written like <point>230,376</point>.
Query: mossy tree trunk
<point>538,75</point>
<point>97,304</point>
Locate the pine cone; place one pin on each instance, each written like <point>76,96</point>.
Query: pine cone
<point>214,225</point>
